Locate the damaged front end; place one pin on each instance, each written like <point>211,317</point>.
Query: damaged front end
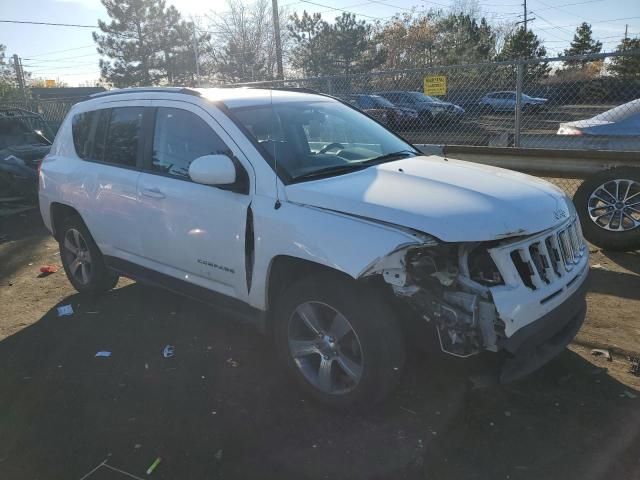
<point>447,285</point>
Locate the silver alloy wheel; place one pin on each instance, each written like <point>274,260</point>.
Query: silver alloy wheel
<point>615,205</point>
<point>77,256</point>
<point>325,347</point>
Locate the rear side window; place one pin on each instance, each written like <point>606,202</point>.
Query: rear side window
<point>123,136</point>
<point>81,131</point>
<point>179,138</point>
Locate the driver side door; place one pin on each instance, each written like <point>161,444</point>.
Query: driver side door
<point>191,231</point>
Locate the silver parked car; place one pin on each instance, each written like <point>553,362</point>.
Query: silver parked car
<point>506,102</point>
<point>615,129</point>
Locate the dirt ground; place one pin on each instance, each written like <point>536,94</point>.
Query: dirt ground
<point>220,408</point>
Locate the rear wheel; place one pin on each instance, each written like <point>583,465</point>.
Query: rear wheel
<point>609,208</point>
<point>338,340</point>
<point>82,260</point>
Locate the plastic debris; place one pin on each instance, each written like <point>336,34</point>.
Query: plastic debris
<point>232,362</point>
<point>628,394</point>
<point>65,310</point>
<point>137,446</point>
<point>602,352</point>
<point>218,455</point>
<point>153,466</point>
<point>168,351</point>
<point>48,269</point>
<point>507,413</point>
<point>599,266</point>
<point>103,353</point>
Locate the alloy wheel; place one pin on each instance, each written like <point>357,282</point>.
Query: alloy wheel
<point>325,348</point>
<point>615,205</point>
<point>77,256</point>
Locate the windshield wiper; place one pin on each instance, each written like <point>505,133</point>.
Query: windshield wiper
<point>387,157</point>
<point>333,170</point>
<point>352,167</point>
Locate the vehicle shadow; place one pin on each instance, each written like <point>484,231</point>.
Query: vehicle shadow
<point>628,260</point>
<point>618,284</point>
<point>222,408</point>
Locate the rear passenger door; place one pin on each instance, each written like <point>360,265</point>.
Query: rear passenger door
<point>113,146</point>
<point>191,231</point>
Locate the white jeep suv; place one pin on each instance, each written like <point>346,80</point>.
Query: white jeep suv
<point>333,234</point>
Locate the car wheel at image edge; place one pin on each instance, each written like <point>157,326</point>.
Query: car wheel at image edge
<point>608,204</point>
<point>82,260</point>
<point>339,340</point>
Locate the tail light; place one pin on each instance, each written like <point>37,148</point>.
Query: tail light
<point>569,131</point>
<point>39,170</point>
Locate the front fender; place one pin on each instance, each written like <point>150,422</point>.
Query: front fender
<point>344,243</point>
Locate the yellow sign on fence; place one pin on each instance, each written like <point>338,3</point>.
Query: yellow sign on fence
<point>49,83</point>
<point>435,85</point>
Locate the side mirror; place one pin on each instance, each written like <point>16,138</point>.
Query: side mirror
<point>213,170</point>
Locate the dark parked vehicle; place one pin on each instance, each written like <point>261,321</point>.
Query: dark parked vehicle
<point>430,109</point>
<point>383,110</point>
<point>24,140</point>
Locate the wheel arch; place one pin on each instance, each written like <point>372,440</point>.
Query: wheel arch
<point>59,213</point>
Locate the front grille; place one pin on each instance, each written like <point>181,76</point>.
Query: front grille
<point>548,258</point>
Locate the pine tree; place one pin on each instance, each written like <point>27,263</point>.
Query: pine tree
<point>627,66</point>
<point>583,43</point>
<point>524,44</point>
<point>145,44</point>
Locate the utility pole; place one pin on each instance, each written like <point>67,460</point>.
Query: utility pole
<point>17,65</point>
<point>276,32</point>
<point>526,18</point>
<point>195,52</point>
<point>626,32</point>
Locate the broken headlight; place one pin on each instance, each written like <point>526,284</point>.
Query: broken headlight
<point>482,268</point>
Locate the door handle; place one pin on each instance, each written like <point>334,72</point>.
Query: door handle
<point>152,192</point>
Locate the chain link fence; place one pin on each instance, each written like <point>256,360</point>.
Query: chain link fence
<point>587,102</point>
<point>52,111</point>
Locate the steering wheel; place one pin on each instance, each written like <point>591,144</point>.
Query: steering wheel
<point>331,146</point>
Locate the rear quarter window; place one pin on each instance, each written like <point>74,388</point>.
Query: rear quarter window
<point>81,132</point>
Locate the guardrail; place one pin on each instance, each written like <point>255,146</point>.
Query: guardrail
<point>539,162</point>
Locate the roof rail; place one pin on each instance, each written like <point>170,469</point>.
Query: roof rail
<point>121,91</point>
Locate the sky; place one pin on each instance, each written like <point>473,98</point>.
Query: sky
<point>68,53</point>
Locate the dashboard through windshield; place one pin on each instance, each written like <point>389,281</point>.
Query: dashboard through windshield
<point>318,136</point>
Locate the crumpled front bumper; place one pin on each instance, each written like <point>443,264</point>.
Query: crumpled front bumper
<point>534,345</point>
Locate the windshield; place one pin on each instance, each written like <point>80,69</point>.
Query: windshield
<point>381,101</point>
<point>621,112</point>
<point>421,97</point>
<point>317,136</point>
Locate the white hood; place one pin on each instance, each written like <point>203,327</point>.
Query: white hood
<point>450,199</point>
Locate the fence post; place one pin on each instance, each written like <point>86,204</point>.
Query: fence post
<point>329,86</point>
<point>518,119</point>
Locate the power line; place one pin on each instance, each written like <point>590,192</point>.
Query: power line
<point>599,21</point>
<point>341,10</point>
<point>50,24</point>
<point>61,59</point>
<point>60,51</point>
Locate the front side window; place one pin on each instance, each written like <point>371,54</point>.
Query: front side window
<point>311,137</point>
<point>179,138</point>
<point>123,136</point>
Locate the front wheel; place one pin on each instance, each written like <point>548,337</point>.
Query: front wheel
<point>338,340</point>
<point>609,208</point>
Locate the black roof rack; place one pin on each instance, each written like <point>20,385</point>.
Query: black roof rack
<point>287,89</point>
<point>121,91</point>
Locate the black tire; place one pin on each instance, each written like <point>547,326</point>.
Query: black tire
<point>374,326</point>
<point>596,234</point>
<point>98,278</point>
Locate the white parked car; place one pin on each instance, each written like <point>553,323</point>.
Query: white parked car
<point>506,102</point>
<point>300,213</point>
